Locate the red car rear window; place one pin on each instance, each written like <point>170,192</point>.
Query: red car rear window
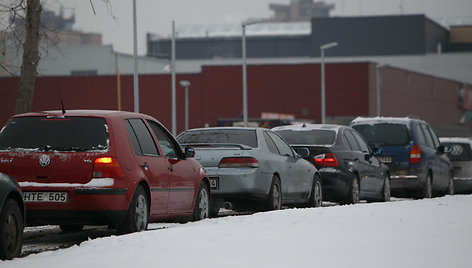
<point>58,134</point>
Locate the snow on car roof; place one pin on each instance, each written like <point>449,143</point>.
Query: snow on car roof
<point>307,127</point>
<point>382,119</point>
<point>456,139</point>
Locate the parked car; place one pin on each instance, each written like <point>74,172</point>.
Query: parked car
<point>459,151</point>
<point>12,216</point>
<point>253,168</point>
<point>116,168</point>
<point>349,170</point>
<point>417,163</point>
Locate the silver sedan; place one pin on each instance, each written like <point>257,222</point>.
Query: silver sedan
<point>253,169</point>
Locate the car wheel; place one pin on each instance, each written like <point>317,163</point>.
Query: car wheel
<point>386,190</point>
<point>450,187</point>
<point>71,228</point>
<point>11,230</point>
<point>316,197</point>
<point>354,192</point>
<point>427,191</point>
<point>274,201</point>
<point>201,209</point>
<point>137,217</point>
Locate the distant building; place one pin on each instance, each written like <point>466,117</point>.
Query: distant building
<point>357,36</point>
<point>300,10</point>
<point>57,29</point>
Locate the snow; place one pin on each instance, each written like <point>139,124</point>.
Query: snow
<point>414,233</point>
<point>94,183</point>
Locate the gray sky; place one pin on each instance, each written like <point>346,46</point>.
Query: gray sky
<point>115,21</point>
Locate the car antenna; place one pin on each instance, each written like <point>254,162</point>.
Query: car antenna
<point>60,96</point>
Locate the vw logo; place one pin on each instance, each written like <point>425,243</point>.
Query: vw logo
<point>44,160</point>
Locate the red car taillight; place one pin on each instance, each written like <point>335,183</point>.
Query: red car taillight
<point>107,167</point>
<point>326,160</point>
<point>231,162</point>
<point>415,154</point>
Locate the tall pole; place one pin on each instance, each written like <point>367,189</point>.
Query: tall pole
<point>186,108</point>
<point>323,100</point>
<point>323,97</point>
<point>378,82</point>
<point>172,64</point>
<point>118,83</point>
<point>244,77</point>
<point>135,57</point>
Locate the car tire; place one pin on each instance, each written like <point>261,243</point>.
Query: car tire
<point>450,186</point>
<point>354,192</point>
<point>138,213</point>
<point>201,209</point>
<point>427,191</point>
<point>316,196</point>
<point>274,202</point>
<point>386,190</point>
<point>71,228</point>
<point>11,230</point>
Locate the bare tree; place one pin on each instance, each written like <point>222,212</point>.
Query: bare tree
<point>30,57</point>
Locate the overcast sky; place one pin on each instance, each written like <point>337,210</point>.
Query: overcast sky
<point>115,20</point>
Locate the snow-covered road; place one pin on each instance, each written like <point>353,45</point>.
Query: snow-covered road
<point>422,233</point>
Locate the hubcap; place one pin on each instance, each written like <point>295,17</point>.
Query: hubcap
<point>355,191</point>
<point>386,190</point>
<point>11,233</point>
<point>276,196</point>
<point>203,205</point>
<point>141,213</point>
<point>318,196</point>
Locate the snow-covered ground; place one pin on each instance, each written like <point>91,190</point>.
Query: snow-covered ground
<point>423,233</point>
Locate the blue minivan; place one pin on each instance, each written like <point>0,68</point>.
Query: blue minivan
<point>416,159</point>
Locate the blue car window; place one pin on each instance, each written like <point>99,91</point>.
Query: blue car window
<point>429,138</point>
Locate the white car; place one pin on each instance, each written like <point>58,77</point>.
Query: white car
<point>459,151</point>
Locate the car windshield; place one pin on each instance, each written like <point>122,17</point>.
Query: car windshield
<point>235,136</point>
<point>55,134</point>
<point>384,133</point>
<point>315,136</point>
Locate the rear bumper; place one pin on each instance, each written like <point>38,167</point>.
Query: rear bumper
<point>99,204</point>
<point>240,183</point>
<point>463,185</point>
<point>335,185</point>
<point>407,180</point>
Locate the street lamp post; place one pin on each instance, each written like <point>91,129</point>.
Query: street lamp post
<point>186,85</point>
<point>378,81</point>
<point>135,57</point>
<point>323,97</point>
<point>245,112</point>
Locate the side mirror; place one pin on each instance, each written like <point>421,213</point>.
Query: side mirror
<point>377,151</point>
<point>189,152</point>
<point>303,152</point>
<point>367,157</point>
<point>441,149</point>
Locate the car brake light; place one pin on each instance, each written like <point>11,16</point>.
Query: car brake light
<point>415,154</point>
<point>326,160</point>
<point>231,162</point>
<point>107,167</point>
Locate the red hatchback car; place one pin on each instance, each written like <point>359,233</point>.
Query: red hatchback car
<point>116,168</point>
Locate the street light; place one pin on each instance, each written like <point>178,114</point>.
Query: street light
<point>323,98</point>
<point>186,85</point>
<point>377,78</point>
<point>135,57</point>
<point>244,24</point>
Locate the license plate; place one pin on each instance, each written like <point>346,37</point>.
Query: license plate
<point>214,183</point>
<point>385,159</point>
<point>50,197</point>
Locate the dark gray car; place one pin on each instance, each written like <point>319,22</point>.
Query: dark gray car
<point>12,217</point>
<point>253,169</point>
